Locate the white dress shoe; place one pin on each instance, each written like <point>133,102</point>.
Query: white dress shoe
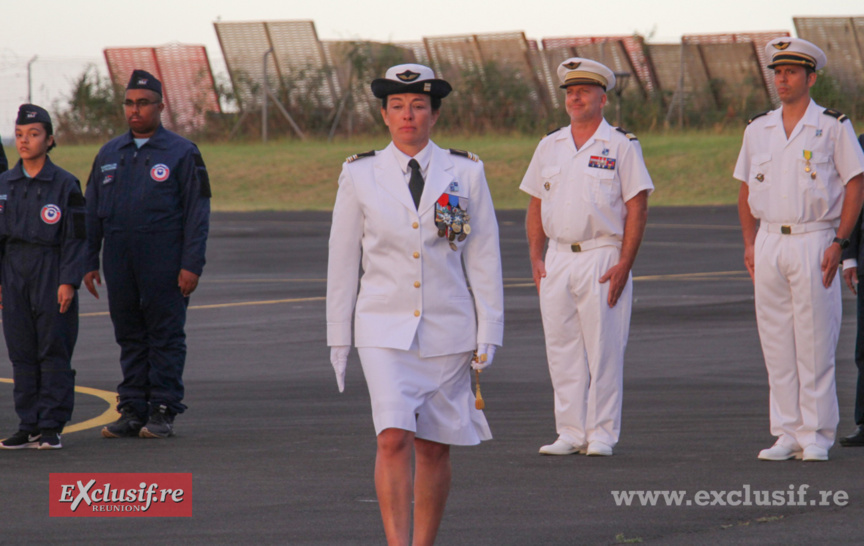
<point>560,447</point>
<point>815,453</point>
<point>599,449</point>
<point>779,452</point>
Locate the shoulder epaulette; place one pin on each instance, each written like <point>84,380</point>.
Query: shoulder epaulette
<point>626,133</point>
<point>835,114</point>
<point>553,131</point>
<point>355,157</point>
<point>759,115</point>
<point>463,153</point>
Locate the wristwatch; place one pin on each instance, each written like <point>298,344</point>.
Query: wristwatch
<point>844,243</point>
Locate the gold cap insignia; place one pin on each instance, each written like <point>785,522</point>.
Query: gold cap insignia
<point>572,65</point>
<point>408,76</point>
<point>781,45</point>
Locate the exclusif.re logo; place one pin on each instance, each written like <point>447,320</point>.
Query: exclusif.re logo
<point>120,495</point>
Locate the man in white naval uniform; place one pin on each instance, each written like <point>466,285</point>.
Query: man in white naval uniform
<point>415,214</point>
<point>589,196</point>
<point>800,171</point>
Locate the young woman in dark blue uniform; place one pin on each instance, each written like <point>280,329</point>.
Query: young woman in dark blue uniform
<point>42,261</point>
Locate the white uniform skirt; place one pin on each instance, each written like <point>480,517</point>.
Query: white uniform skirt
<point>429,396</point>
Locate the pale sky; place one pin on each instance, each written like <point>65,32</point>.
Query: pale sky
<point>66,35</point>
<point>84,27</point>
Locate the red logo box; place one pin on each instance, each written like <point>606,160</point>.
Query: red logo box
<point>120,495</point>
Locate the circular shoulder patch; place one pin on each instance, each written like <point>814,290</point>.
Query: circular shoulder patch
<point>160,172</point>
<point>50,214</point>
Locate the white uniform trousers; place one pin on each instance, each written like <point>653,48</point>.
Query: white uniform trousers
<point>799,324</point>
<point>585,343</point>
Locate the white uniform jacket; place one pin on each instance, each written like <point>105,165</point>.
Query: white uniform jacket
<point>413,283</point>
<point>782,189</point>
<point>584,191</point>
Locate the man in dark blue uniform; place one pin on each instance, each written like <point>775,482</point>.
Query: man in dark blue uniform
<point>42,261</point>
<point>148,199</point>
<point>853,269</point>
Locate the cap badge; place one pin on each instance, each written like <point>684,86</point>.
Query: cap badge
<point>572,65</point>
<point>408,76</point>
<point>781,45</point>
<point>31,115</point>
<point>142,81</point>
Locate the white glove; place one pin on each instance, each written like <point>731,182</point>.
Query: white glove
<point>339,359</point>
<point>487,350</point>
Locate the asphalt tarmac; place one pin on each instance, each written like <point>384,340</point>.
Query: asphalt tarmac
<point>278,456</point>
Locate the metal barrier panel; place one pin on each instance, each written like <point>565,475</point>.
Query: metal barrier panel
<point>356,64</point>
<point>681,75</point>
<point>759,40</point>
<point>513,50</point>
<point>735,75</point>
<point>301,63</point>
<point>418,49</point>
<point>243,47</point>
<point>637,62</point>
<point>842,40</point>
<point>453,55</point>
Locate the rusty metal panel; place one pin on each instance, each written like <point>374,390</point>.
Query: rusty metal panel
<point>184,70</point>
<point>842,40</point>
<point>189,84</point>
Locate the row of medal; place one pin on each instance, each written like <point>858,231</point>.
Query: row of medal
<point>451,220</point>
<point>808,155</point>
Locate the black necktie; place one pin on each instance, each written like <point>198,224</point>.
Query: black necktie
<point>416,183</point>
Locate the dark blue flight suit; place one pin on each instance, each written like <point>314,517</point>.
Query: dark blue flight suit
<point>42,245</point>
<point>4,163</point>
<point>151,206</point>
<point>856,250</point>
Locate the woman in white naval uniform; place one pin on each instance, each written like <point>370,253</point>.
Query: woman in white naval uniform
<point>416,324</point>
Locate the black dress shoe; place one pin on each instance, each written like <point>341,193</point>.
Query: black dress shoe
<point>855,440</point>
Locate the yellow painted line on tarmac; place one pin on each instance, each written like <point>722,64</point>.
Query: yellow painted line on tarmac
<point>704,276</point>
<point>108,416</point>
<point>697,226</point>
<point>259,281</point>
<point>235,304</point>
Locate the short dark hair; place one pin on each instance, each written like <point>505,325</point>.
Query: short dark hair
<point>809,70</point>
<point>49,131</point>
<point>436,103</point>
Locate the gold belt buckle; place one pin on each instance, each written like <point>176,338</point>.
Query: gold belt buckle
<point>575,247</point>
<point>786,230</point>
